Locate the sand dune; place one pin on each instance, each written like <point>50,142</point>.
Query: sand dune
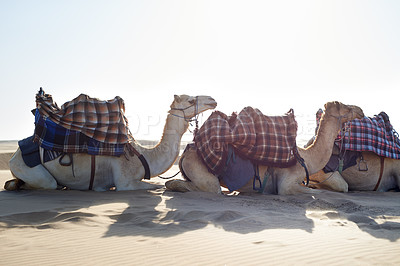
<point>7,149</point>
<point>166,228</point>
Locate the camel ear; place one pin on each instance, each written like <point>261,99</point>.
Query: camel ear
<point>329,105</point>
<point>177,98</point>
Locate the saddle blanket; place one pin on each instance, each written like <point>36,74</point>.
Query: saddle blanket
<point>83,125</point>
<point>266,140</point>
<point>374,134</point>
<point>31,153</point>
<point>103,121</point>
<point>54,137</point>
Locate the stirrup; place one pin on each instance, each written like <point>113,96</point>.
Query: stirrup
<point>362,164</point>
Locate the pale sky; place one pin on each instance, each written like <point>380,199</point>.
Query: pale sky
<point>272,55</point>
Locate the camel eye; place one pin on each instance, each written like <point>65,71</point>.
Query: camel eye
<point>192,101</point>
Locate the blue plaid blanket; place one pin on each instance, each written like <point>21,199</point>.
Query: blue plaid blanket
<point>54,137</point>
<point>374,134</point>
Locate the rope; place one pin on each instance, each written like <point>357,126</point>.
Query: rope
<point>196,109</point>
<point>169,177</point>
<point>195,119</point>
<point>342,151</point>
<point>301,161</point>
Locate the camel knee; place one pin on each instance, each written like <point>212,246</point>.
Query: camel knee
<point>293,186</point>
<point>294,189</point>
<point>329,181</point>
<point>180,186</point>
<point>187,186</point>
<point>33,178</point>
<point>199,177</point>
<point>337,183</point>
<point>39,178</point>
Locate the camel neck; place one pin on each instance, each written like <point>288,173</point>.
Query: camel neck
<point>318,154</point>
<point>162,156</point>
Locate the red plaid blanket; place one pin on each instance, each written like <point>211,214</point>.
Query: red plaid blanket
<point>374,134</point>
<point>103,121</point>
<point>266,140</point>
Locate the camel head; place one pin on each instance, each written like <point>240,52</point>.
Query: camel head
<point>189,106</point>
<point>343,112</point>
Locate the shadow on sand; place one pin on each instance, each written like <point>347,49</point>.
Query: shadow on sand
<point>161,213</point>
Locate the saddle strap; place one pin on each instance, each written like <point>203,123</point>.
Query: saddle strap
<point>381,172</point>
<point>143,160</point>
<point>92,171</point>
<point>301,161</point>
<point>145,166</point>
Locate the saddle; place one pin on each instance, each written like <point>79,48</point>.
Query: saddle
<point>249,138</point>
<point>82,125</point>
<point>374,134</point>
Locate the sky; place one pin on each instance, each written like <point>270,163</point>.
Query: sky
<point>271,55</point>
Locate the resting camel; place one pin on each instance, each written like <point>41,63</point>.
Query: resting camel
<point>370,178</point>
<point>124,172</point>
<point>283,181</point>
<point>352,179</point>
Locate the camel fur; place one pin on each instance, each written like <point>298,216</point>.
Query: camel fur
<point>352,179</point>
<point>284,181</point>
<point>124,172</point>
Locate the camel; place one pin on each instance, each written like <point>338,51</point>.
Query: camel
<point>124,172</point>
<point>352,179</point>
<point>364,176</point>
<point>283,181</point>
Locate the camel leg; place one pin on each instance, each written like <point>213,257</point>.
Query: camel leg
<point>136,185</point>
<point>181,186</point>
<point>329,181</point>
<point>200,179</point>
<point>289,181</point>
<point>13,184</point>
<point>295,188</point>
<point>35,178</point>
<point>125,178</point>
<point>397,180</point>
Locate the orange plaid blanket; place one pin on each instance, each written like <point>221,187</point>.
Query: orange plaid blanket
<point>104,121</point>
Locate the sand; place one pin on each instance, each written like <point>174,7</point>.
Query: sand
<point>165,228</point>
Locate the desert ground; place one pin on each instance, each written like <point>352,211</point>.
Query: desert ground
<point>159,227</point>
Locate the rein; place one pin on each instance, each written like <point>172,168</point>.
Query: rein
<point>196,112</point>
<point>195,119</point>
<point>169,177</point>
<point>301,161</point>
<point>341,154</point>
